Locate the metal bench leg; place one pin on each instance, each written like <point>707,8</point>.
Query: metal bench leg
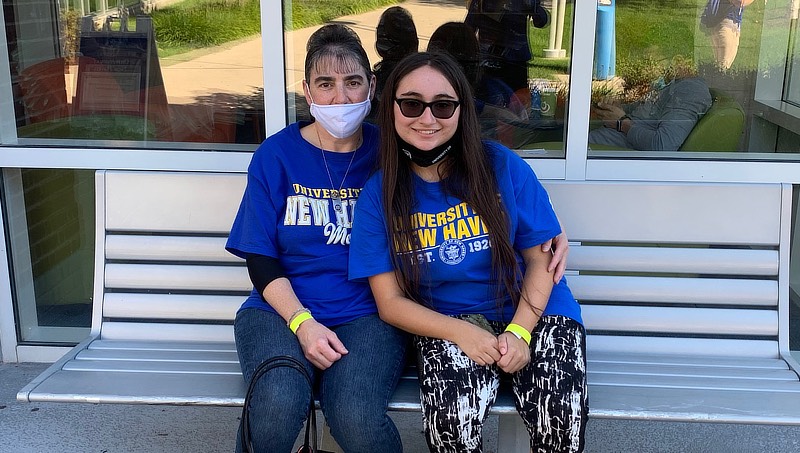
<point>512,436</point>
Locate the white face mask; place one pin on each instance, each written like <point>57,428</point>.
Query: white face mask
<point>341,120</point>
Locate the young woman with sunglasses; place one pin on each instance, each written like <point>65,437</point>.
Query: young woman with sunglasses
<point>448,233</point>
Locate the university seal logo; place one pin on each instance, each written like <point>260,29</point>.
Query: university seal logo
<point>452,251</point>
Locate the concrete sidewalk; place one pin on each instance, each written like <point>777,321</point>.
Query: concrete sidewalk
<point>117,428</point>
<point>236,68</point>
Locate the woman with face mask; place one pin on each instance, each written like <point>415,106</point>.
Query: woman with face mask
<point>293,228</point>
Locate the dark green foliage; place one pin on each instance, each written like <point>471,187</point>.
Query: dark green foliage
<point>197,25</point>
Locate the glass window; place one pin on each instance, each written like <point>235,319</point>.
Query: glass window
<point>508,49</point>
<point>693,76</point>
<point>138,74</point>
<point>793,80</point>
<point>163,71</point>
<point>50,225</point>
<point>794,277</point>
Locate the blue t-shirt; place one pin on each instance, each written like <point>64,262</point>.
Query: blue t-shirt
<point>455,243</point>
<point>287,212</point>
<point>718,10</point>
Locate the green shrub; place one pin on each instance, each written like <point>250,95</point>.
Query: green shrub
<point>638,74</point>
<point>198,25</point>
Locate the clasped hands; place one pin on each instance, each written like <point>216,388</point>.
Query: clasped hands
<point>510,353</point>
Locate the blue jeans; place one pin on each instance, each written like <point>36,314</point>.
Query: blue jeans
<point>353,392</point>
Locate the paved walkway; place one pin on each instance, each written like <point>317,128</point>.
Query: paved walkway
<point>236,68</point>
<point>118,428</point>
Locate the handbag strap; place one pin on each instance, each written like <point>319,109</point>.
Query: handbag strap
<point>282,361</point>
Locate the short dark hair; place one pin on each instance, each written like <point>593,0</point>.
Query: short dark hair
<point>459,40</point>
<point>396,34</point>
<point>339,43</point>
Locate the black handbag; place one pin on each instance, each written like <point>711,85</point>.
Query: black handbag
<point>310,440</point>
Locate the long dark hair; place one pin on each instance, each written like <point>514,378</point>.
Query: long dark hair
<point>467,174</point>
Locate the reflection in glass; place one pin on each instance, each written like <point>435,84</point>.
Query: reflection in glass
<point>794,275</point>
<point>50,215</point>
<point>665,117</point>
<point>738,50</point>
<point>128,73</point>
<point>793,79</point>
<point>505,50</point>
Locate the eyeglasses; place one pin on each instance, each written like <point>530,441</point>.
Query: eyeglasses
<point>414,108</point>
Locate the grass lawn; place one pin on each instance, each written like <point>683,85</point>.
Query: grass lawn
<point>305,13</point>
<point>196,24</point>
<point>539,39</point>
<point>659,31</point>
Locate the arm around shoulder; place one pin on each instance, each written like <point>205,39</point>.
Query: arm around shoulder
<point>537,284</point>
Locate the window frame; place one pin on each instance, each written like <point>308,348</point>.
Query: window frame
<point>577,165</point>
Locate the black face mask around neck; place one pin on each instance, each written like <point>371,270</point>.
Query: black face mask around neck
<point>426,158</point>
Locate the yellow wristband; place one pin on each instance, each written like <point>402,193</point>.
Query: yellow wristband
<point>299,319</point>
<point>520,332</point>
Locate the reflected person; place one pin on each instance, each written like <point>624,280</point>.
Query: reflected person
<point>502,113</point>
<point>722,20</point>
<point>502,28</point>
<point>395,37</point>
<point>659,122</point>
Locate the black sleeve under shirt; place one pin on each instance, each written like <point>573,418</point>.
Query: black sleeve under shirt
<point>263,270</point>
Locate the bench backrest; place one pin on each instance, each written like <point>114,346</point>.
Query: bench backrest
<point>659,268</point>
<point>162,272</point>
<point>679,268</point>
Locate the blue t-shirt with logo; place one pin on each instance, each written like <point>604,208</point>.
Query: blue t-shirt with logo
<point>455,243</point>
<point>288,212</point>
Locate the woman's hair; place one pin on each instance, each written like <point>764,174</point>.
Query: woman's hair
<point>467,174</point>
<point>396,34</point>
<point>339,44</point>
<point>395,37</point>
<point>459,40</point>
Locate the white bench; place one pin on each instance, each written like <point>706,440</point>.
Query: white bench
<point>684,289</point>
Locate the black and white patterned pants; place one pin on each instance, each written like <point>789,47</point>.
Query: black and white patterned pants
<point>550,391</point>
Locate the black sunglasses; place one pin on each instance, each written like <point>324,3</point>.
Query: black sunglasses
<point>413,108</point>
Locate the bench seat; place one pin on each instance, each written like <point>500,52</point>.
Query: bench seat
<point>683,288</point>
<point>726,389</point>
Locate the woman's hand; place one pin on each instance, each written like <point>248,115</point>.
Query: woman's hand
<point>320,345</point>
<point>478,344</point>
<point>560,250</point>
<point>514,351</point>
